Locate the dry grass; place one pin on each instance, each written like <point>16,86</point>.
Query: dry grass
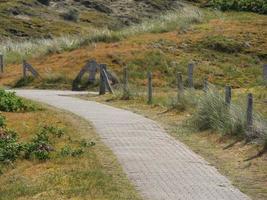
<point>159,52</point>
<point>95,175</point>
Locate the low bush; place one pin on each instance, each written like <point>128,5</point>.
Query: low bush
<point>259,6</point>
<point>10,148</point>
<point>2,121</point>
<point>9,102</point>
<point>71,15</point>
<point>39,147</point>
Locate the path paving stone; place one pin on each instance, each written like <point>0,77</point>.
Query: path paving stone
<point>160,167</point>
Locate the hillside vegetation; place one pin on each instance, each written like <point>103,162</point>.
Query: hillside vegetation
<point>39,19</point>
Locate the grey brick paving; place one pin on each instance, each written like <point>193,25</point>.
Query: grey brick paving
<point>160,167</point>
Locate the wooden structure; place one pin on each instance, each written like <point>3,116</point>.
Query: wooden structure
<point>28,68</point>
<point>92,67</point>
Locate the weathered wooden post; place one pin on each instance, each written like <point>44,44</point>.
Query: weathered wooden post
<point>149,78</point>
<point>250,113</point>
<point>191,75</point>
<point>1,63</point>
<point>125,82</point>
<point>265,72</point>
<point>180,85</point>
<point>228,95</point>
<point>24,70</point>
<point>206,85</point>
<point>102,85</point>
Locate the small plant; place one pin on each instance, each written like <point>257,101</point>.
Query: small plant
<point>55,131</point>
<point>71,15</point>
<point>85,143</point>
<point>9,102</point>
<point>10,149</point>
<point>39,147</point>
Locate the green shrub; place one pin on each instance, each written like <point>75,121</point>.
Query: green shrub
<point>10,149</point>
<point>55,131</point>
<point>39,147</point>
<point>2,121</point>
<point>9,102</point>
<point>71,15</point>
<point>259,6</point>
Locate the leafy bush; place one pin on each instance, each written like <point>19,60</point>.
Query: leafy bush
<point>259,6</point>
<point>55,131</point>
<point>39,147</point>
<point>2,121</point>
<point>10,149</point>
<point>9,102</point>
<point>71,15</point>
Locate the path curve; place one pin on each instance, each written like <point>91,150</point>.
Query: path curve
<point>160,167</point>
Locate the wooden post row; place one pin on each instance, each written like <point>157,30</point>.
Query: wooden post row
<point>191,75</point>
<point>250,113</point>
<point>149,78</point>
<point>228,95</point>
<point>1,63</point>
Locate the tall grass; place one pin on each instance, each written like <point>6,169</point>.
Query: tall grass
<point>213,113</point>
<point>16,51</point>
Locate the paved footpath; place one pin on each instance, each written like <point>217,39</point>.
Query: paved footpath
<point>160,167</point>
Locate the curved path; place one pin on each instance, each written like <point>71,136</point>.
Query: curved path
<point>160,167</point>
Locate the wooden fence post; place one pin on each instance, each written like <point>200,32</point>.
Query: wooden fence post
<point>24,70</point>
<point>206,85</point>
<point>265,72</point>
<point>250,113</point>
<point>228,95</point>
<point>102,85</point>
<point>125,82</point>
<point>1,63</point>
<point>149,78</point>
<point>191,75</point>
<point>180,85</point>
